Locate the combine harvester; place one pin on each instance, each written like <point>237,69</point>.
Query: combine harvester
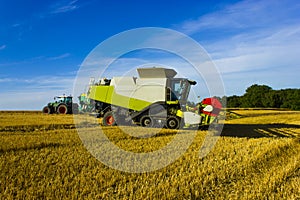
<point>155,99</point>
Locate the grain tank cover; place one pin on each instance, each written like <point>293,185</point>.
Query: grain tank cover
<point>156,72</point>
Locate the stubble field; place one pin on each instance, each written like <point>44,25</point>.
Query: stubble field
<point>256,157</point>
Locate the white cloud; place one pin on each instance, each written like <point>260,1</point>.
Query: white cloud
<point>35,59</point>
<point>2,47</point>
<point>243,52</point>
<point>64,6</point>
<point>26,100</point>
<point>244,15</point>
<point>65,55</point>
<point>250,40</point>
<point>32,94</point>
<point>151,47</point>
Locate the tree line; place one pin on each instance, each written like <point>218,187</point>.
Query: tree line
<point>263,96</point>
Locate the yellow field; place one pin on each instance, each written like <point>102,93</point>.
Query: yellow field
<point>256,157</point>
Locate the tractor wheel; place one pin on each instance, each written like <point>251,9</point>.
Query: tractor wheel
<point>108,119</point>
<point>173,123</point>
<point>146,121</point>
<point>62,109</point>
<point>46,110</point>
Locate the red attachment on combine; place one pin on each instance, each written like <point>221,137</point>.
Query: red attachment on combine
<point>215,103</point>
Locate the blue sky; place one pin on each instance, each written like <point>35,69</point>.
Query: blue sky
<point>43,43</point>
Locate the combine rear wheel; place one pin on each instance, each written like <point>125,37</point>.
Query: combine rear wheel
<point>62,109</point>
<point>173,122</point>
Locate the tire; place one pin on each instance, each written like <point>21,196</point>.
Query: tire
<point>109,119</point>
<point>173,123</point>
<point>62,109</point>
<point>146,121</point>
<point>46,110</point>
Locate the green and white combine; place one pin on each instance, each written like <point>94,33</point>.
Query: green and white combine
<point>154,99</point>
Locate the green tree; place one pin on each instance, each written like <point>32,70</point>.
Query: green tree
<point>255,96</point>
<point>265,97</point>
<point>233,101</point>
<point>290,99</point>
<point>272,99</point>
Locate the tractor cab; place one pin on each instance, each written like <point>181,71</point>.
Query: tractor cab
<point>63,99</point>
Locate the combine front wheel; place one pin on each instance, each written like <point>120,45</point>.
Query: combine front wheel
<point>108,119</point>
